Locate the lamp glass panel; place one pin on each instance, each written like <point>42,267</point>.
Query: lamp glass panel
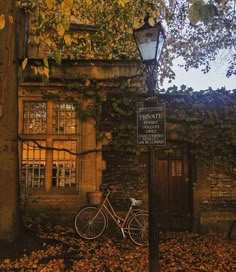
<point>160,46</point>
<point>147,42</point>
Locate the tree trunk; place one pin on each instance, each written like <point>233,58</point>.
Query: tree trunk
<point>9,220</point>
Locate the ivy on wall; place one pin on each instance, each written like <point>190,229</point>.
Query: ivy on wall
<point>206,120</point>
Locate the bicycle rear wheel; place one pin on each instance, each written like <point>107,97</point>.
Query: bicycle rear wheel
<point>90,223</point>
<point>138,229</point>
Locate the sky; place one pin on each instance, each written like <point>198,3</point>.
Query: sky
<point>196,79</point>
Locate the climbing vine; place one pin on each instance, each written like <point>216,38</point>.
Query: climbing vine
<point>206,121</point>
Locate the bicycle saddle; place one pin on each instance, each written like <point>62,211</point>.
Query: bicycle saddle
<point>136,202</point>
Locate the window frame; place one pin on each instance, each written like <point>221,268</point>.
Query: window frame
<point>49,137</point>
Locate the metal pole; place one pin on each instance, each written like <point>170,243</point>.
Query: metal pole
<point>154,265</point>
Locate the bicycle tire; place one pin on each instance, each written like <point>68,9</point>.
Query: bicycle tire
<point>138,229</point>
<point>232,231</point>
<point>89,224</point>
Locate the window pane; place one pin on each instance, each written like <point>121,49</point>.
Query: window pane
<point>33,165</point>
<point>35,117</point>
<point>176,168</point>
<point>64,164</point>
<point>64,118</point>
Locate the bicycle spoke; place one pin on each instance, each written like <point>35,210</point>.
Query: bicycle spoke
<point>138,229</point>
<point>90,223</point>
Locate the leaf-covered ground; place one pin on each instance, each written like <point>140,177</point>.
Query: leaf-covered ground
<point>59,249</point>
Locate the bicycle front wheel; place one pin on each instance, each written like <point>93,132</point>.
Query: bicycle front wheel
<point>90,223</point>
<point>138,229</point>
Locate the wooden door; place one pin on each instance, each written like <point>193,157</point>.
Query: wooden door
<point>173,189</point>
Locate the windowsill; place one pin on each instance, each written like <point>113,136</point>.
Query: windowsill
<point>53,191</point>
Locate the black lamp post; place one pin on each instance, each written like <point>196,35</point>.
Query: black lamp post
<point>150,41</point>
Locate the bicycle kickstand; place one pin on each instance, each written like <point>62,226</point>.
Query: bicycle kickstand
<point>123,233</point>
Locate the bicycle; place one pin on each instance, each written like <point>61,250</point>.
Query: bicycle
<point>91,221</point>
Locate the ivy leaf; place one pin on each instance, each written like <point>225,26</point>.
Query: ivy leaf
<point>45,61</point>
<point>24,63</point>
<point>57,57</point>
<point>36,40</point>
<point>199,11</point>
<point>50,4</point>
<point>66,6</point>
<point>48,41</point>
<point>195,12</point>
<point>122,3</point>
<point>67,39</point>
<point>207,12</point>
<point>35,70</point>
<point>2,21</point>
<point>60,29</point>
<point>68,3</point>
<point>151,21</point>
<point>43,71</point>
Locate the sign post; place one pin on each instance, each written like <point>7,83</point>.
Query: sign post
<point>151,119</point>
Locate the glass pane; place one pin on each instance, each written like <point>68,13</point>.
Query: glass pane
<point>35,117</point>
<point>150,42</point>
<point>33,164</point>
<point>64,164</point>
<point>176,168</point>
<point>64,118</point>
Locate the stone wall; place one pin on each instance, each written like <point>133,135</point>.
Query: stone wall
<point>217,206</point>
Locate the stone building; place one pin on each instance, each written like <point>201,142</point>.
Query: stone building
<point>66,151</point>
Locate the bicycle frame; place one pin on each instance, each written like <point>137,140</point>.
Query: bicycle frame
<point>106,207</point>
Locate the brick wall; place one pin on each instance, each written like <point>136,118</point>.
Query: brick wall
<point>218,208</point>
<point>126,177</point>
<point>51,208</point>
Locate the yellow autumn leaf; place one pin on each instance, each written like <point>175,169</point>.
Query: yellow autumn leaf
<point>35,70</point>
<point>66,7</point>
<point>24,63</point>
<point>67,39</point>
<point>48,41</point>
<point>69,2</point>
<point>46,72</point>
<point>60,29</point>
<point>122,3</point>
<point>53,45</point>
<point>2,21</point>
<point>37,40</point>
<point>45,61</point>
<point>50,4</point>
<point>40,70</point>
<point>43,71</point>
<point>151,21</point>
<point>11,19</point>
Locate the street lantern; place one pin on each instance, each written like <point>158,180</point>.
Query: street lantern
<point>150,41</point>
